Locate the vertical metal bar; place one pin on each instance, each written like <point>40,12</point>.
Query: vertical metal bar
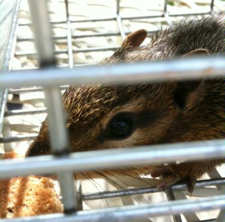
<point>117,7</point>
<point>179,195</point>
<point>211,6</point>
<point>56,120</point>
<point>165,13</point>
<point>7,133</point>
<point>8,21</point>
<point>170,196</point>
<point>165,7</point>
<point>69,36</point>
<point>59,144</point>
<point>78,195</point>
<point>221,217</point>
<point>43,32</point>
<point>215,174</point>
<point>119,20</point>
<point>3,101</point>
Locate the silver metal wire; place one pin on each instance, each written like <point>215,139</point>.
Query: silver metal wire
<point>134,213</point>
<point>8,48</point>
<point>56,120</point>
<point>43,31</point>
<point>115,158</point>
<point>170,195</point>
<point>176,70</point>
<point>119,20</point>
<point>17,138</point>
<point>144,190</point>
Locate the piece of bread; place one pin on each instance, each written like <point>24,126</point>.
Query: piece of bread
<point>28,196</point>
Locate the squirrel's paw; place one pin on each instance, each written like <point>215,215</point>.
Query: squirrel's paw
<point>169,177</point>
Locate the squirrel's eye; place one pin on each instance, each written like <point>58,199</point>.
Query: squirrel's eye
<point>120,126</point>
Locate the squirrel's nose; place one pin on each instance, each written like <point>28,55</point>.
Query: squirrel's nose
<point>38,148</point>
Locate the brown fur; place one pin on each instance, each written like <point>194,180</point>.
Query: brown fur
<point>176,112</point>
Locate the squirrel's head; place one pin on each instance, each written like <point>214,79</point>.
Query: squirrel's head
<point>100,117</point>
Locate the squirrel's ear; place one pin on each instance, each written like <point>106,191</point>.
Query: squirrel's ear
<point>133,40</point>
<point>189,93</point>
<point>199,51</point>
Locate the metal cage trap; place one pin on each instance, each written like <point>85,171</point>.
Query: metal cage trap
<point>71,52</point>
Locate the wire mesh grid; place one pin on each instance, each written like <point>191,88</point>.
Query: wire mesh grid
<point>91,74</point>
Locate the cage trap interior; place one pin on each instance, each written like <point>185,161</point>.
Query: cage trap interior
<point>85,33</point>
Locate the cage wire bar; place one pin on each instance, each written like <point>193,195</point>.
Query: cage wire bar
<point>7,19</point>
<point>170,70</point>
<point>162,71</point>
<point>69,36</point>
<point>132,213</point>
<point>178,70</point>
<point>56,120</point>
<point>114,158</point>
<point>119,20</point>
<point>122,33</point>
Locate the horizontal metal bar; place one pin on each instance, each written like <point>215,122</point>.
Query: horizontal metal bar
<point>76,21</point>
<point>25,112</point>
<point>189,14</point>
<point>142,17</point>
<point>33,89</point>
<point>133,213</point>
<point>162,15</point>
<point>17,138</point>
<point>119,193</point>
<point>182,69</point>
<point>123,18</point>
<point>211,220</point>
<point>93,20</point>
<point>85,36</point>
<point>96,49</point>
<point>144,190</point>
<point>52,23</point>
<point>77,36</point>
<point>25,90</point>
<point>114,158</point>
<point>74,51</point>
<point>22,39</point>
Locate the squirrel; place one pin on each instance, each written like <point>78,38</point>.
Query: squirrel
<point>101,117</point>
